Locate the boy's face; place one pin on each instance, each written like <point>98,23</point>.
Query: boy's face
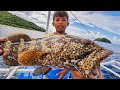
<point>60,24</point>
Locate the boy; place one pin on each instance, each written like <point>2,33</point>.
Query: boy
<point>60,22</point>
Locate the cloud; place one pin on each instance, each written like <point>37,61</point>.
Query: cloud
<point>89,18</point>
<point>98,19</point>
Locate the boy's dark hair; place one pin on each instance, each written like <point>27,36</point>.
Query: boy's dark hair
<point>60,14</point>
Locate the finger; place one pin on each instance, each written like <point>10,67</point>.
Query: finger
<point>2,39</point>
<point>5,55</point>
<point>61,76</point>
<point>59,73</point>
<point>76,74</point>
<point>1,51</point>
<point>63,71</point>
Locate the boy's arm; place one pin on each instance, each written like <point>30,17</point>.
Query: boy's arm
<point>74,73</point>
<point>62,73</point>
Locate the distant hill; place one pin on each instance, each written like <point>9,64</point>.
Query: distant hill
<point>7,18</point>
<point>103,40</point>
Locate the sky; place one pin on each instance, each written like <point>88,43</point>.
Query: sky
<point>92,25</point>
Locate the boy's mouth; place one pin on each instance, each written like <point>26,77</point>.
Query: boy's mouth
<point>60,27</point>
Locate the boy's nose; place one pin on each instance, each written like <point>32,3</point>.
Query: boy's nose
<point>60,21</point>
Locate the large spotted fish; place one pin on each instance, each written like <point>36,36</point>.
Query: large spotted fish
<point>65,51</point>
<point>60,50</point>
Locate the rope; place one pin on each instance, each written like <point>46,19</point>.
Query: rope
<point>87,29</point>
<point>83,25</point>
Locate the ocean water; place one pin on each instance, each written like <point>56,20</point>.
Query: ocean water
<point>6,30</point>
<point>115,56</point>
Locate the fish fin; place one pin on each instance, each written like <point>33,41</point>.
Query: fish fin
<point>38,71</point>
<point>47,69</point>
<point>41,70</point>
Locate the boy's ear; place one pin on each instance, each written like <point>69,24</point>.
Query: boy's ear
<point>52,23</point>
<point>68,24</point>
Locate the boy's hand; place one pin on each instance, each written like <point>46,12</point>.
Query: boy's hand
<point>62,73</point>
<point>1,40</point>
<point>4,55</point>
<point>76,74</point>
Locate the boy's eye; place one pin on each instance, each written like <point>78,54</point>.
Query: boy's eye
<point>57,20</point>
<point>63,20</point>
